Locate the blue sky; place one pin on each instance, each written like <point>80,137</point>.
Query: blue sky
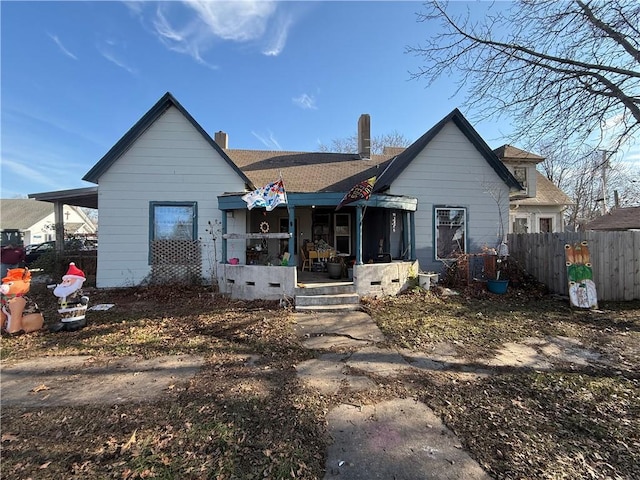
<point>281,76</point>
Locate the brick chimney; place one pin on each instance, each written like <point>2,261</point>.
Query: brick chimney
<point>222,139</point>
<point>364,136</point>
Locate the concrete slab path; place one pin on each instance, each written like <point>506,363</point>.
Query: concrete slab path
<point>402,439</point>
<point>399,439</point>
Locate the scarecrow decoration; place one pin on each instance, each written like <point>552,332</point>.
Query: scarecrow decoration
<point>72,302</point>
<point>582,289</point>
<point>19,314</point>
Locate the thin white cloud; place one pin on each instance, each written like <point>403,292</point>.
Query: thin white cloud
<point>135,6</point>
<point>239,21</point>
<point>107,52</point>
<point>305,101</point>
<point>189,41</point>
<point>62,47</point>
<point>28,172</point>
<point>265,23</point>
<point>278,38</point>
<point>14,115</point>
<point>270,141</point>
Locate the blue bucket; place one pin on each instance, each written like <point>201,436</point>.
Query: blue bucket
<point>497,286</point>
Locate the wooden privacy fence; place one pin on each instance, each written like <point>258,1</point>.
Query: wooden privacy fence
<point>615,259</point>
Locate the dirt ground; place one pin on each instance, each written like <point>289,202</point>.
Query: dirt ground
<point>85,380</point>
<point>177,383</point>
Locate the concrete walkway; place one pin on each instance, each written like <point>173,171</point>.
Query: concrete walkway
<point>399,439</point>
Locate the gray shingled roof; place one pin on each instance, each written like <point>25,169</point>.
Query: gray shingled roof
<point>546,194</point>
<point>308,172</point>
<point>304,172</point>
<point>21,213</point>
<point>509,152</point>
<point>617,219</point>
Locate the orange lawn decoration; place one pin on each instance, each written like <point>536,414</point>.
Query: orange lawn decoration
<point>19,314</point>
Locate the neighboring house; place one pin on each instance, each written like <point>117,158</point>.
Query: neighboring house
<point>34,220</point>
<point>619,219</point>
<point>167,180</point>
<point>540,207</point>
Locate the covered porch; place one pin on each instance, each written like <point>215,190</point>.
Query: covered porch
<point>384,224</point>
<point>376,238</point>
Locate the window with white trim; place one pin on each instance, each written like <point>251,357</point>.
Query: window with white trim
<point>520,225</point>
<point>450,232</point>
<point>173,221</point>
<point>546,225</point>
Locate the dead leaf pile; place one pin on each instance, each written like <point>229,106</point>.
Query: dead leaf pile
<point>246,415</point>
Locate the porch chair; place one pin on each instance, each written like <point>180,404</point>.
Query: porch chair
<point>305,260</point>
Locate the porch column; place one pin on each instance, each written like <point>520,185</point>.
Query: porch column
<point>412,229</point>
<point>224,232</point>
<point>58,218</point>
<point>405,235</point>
<point>358,234</point>
<point>292,235</point>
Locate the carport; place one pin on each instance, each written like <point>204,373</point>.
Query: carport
<point>78,197</point>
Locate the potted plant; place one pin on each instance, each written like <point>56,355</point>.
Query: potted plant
<point>334,267</point>
<point>498,282</point>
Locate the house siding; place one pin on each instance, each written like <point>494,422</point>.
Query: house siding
<point>169,162</point>
<point>451,172</point>
<point>533,216</point>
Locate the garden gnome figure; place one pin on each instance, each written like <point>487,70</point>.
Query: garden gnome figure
<point>19,314</point>
<point>72,302</point>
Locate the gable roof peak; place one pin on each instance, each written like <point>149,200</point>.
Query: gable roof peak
<point>141,126</point>
<point>409,154</point>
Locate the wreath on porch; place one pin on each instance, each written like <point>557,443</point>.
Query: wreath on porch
<point>264,227</point>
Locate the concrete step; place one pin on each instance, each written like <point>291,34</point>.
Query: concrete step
<point>335,299</point>
<point>324,297</point>
<point>325,289</point>
<point>328,308</point>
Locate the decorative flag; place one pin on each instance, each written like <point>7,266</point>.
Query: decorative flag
<point>269,196</point>
<point>361,191</point>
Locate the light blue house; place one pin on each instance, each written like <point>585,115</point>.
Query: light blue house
<point>167,189</point>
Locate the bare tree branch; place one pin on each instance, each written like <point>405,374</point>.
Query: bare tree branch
<point>567,71</point>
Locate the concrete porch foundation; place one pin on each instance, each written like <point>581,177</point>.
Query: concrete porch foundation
<point>259,282</point>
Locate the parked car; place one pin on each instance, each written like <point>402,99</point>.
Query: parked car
<point>73,245</point>
<point>30,247</point>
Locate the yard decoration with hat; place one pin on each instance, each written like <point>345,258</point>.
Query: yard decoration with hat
<point>71,301</point>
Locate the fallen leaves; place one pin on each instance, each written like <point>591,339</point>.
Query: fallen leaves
<point>240,419</point>
<point>40,388</point>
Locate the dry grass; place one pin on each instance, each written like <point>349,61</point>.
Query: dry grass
<point>244,421</point>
